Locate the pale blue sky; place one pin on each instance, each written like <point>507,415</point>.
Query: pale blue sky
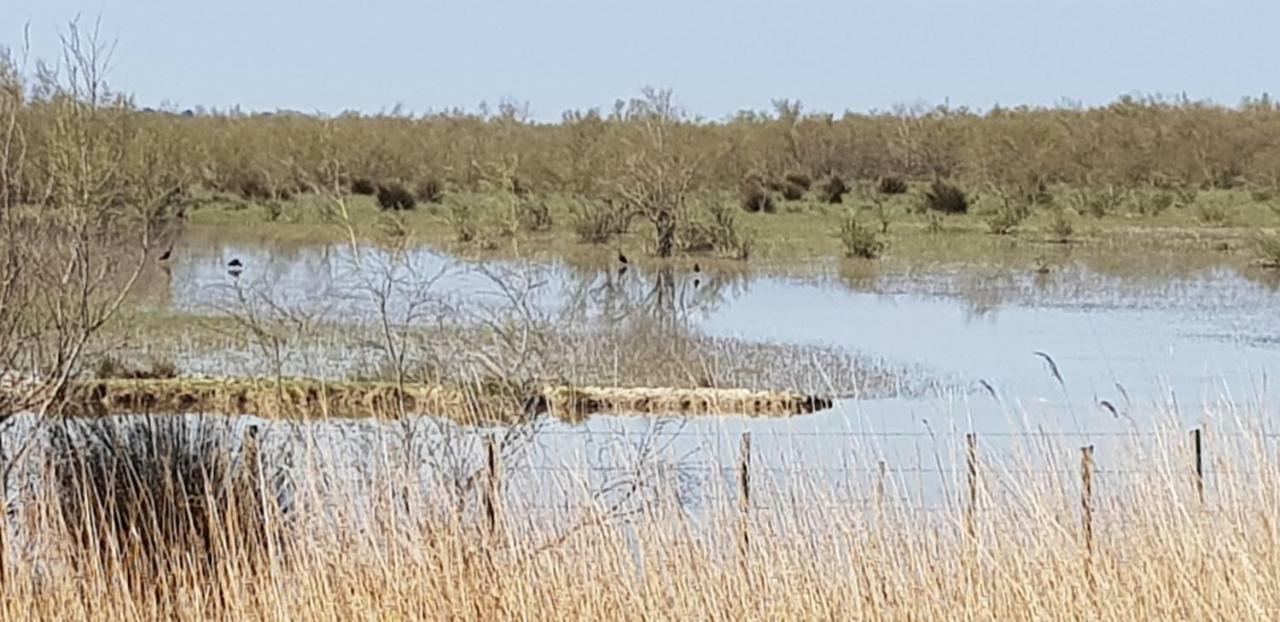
<point>719,56</point>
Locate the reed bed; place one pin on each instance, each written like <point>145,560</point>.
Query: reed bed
<point>1032,541</point>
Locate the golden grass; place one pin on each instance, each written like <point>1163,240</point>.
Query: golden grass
<point>1157,552</point>
<point>299,398</point>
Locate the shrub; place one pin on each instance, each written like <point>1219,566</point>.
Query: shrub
<point>159,488</point>
<point>803,181</point>
<point>860,242</point>
<point>251,187</point>
<point>792,191</point>
<point>1098,203</point>
<point>1267,249</point>
<point>717,231</point>
<point>891,184</point>
<point>597,222</point>
<point>946,198</point>
<point>463,220</point>
<point>394,196</point>
<point>430,190</point>
<point>1213,213</point>
<point>756,198</point>
<point>832,190</point>
<point>534,215</point>
<point>1008,214</point>
<point>1060,227</point>
<point>363,186</point>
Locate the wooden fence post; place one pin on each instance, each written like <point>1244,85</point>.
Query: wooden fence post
<point>971,460</point>
<point>1086,496</point>
<point>1197,445</point>
<point>744,492</point>
<point>493,483</point>
<point>880,487</point>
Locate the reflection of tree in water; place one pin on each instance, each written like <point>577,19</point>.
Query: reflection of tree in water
<point>671,295</point>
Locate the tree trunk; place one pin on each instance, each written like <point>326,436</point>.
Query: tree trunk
<point>664,225</point>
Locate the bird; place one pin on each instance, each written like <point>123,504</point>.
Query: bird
<point>696,283</point>
<point>697,268</point>
<point>623,258</point>
<point>235,263</point>
<point>168,252</point>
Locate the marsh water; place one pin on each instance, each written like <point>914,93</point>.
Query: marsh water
<point>1090,355</point>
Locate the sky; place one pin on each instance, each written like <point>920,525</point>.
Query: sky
<point>719,56</point>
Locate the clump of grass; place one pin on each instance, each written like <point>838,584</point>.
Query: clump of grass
<point>430,190</point>
<point>1267,250</point>
<point>395,197</point>
<point>110,367</point>
<point>859,241</point>
<point>946,198</point>
<point>755,197</point>
<point>1005,218</point>
<point>463,220</point>
<point>832,190</point>
<point>597,222</point>
<point>891,184</point>
<point>534,215</point>
<point>1098,203</point>
<point>1213,213</point>
<point>137,494</point>
<point>1060,227</point>
<point>715,228</point>
<point>1151,202</point>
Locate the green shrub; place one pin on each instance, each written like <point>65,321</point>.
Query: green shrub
<point>1060,226</point>
<point>534,215</point>
<point>597,222</point>
<point>833,190</point>
<point>462,218</point>
<point>946,198</point>
<point>755,197</point>
<point>859,241</point>
<point>1267,249</point>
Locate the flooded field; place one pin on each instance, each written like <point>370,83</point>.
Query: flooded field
<point>1074,355</point>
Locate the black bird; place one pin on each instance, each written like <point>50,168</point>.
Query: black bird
<point>697,268</point>
<point>235,263</point>
<point>622,258</point>
<point>696,283</point>
<point>168,252</point>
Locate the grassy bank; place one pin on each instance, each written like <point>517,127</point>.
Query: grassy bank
<point>1209,228</point>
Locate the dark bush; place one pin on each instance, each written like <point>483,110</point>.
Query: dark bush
<point>363,186</point>
<point>891,184</point>
<point>799,179</point>
<point>430,190</point>
<point>138,494</point>
<point>792,191</point>
<point>394,196</point>
<point>833,190</point>
<point>946,198</point>
<point>755,197</point>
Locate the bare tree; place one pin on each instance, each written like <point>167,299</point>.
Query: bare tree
<point>658,176</point>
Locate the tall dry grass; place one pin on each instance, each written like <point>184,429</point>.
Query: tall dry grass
<point>390,544</point>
